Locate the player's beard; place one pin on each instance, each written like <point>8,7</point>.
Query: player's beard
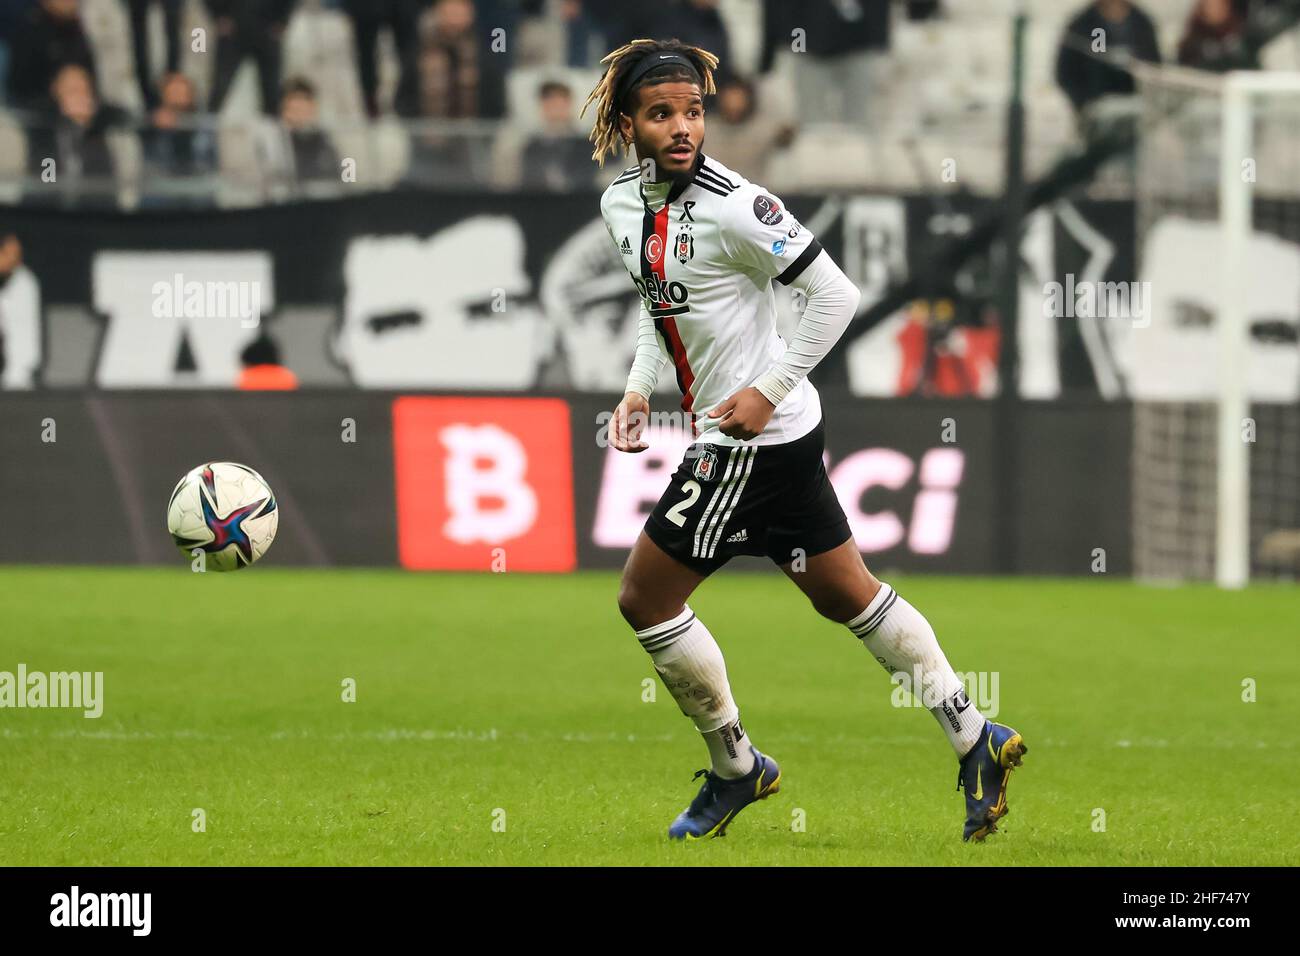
<point>677,178</point>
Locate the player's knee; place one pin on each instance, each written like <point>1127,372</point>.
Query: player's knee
<point>835,608</point>
<point>632,604</point>
<point>642,607</point>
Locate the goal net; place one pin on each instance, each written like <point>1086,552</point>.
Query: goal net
<point>1215,365</point>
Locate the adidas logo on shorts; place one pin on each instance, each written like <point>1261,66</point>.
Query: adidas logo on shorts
<point>740,535</point>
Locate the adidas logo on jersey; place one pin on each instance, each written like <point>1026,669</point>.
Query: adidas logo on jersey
<point>626,247</point>
<point>740,535</point>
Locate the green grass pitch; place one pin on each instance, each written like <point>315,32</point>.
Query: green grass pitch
<point>499,719</point>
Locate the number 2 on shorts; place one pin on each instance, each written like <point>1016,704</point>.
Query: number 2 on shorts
<point>676,514</point>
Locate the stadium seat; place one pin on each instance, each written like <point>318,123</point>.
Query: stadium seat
<point>382,150</point>
<point>523,83</point>
<point>824,156</point>
<point>128,162</point>
<point>241,167</point>
<point>318,45</point>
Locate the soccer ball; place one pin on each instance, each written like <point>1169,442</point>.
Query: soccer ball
<point>226,511</point>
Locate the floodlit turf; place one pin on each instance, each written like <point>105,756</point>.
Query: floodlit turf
<point>516,700</point>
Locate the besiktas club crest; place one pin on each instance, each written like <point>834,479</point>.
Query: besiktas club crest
<point>706,464</point>
<point>685,246</point>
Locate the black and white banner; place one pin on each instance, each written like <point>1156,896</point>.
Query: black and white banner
<point>524,292</point>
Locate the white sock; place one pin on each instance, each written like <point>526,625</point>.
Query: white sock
<point>901,639</point>
<point>690,664</point>
<point>729,751</point>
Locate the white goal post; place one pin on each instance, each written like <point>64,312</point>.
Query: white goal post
<point>1231,223</point>
<point>1232,556</point>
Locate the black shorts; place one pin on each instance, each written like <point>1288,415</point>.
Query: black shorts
<point>773,500</point>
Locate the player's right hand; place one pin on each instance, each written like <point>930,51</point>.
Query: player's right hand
<point>628,423</point>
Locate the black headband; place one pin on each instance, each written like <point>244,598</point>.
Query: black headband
<point>648,63</point>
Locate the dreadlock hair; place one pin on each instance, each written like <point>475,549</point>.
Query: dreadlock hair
<point>610,98</point>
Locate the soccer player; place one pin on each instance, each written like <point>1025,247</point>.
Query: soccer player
<point>702,246</point>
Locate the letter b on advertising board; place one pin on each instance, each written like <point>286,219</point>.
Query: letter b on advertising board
<point>475,475</point>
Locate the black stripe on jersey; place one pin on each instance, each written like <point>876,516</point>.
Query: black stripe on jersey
<point>647,272</point>
<point>627,175</point>
<point>704,176</point>
<point>805,258</point>
<point>721,179</point>
<point>647,230</point>
<point>664,313</point>
<point>713,189</point>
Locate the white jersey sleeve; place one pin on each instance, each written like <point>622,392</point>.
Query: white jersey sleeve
<point>760,235</point>
<point>650,359</point>
<point>832,301</point>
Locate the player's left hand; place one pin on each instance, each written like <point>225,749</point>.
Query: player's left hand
<point>744,415</point>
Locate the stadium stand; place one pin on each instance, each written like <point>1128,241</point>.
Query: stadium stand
<point>940,84</point>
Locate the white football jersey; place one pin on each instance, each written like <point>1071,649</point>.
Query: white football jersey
<point>703,263</point>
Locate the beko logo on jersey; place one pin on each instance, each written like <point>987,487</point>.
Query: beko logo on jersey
<point>662,295</point>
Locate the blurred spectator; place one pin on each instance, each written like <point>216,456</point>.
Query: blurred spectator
<point>584,33</point>
<point>1213,38</point>
<point>249,28</point>
<point>178,144</point>
<point>456,62</point>
<point>495,22</point>
<point>557,157</point>
<point>262,369</point>
<point>837,47</point>
<point>738,134</point>
<point>1096,45</point>
<point>50,37</point>
<point>20,317</point>
<point>461,74</point>
<point>942,357</point>
<point>139,10</point>
<point>311,154</point>
<point>13,16</point>
<point>173,144</point>
<point>76,138</point>
<point>449,61</point>
<point>696,22</point>
<point>402,17</point>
